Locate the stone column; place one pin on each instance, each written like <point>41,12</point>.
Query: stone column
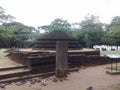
<point>61,59</point>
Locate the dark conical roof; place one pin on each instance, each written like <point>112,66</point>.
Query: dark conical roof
<point>49,40</point>
<point>57,35</point>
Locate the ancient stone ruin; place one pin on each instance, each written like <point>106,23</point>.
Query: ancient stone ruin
<point>49,41</point>
<point>42,56</point>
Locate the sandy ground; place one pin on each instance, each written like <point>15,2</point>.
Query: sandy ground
<point>32,50</point>
<point>6,62</point>
<point>94,76</point>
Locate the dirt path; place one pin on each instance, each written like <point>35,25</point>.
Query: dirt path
<point>92,76</point>
<point>6,62</point>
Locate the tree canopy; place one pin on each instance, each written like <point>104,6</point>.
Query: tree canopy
<point>5,18</point>
<point>114,31</point>
<point>57,24</point>
<point>90,31</point>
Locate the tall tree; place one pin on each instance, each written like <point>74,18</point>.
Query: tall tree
<point>114,31</point>
<point>5,18</point>
<point>57,24</point>
<point>21,34</point>
<point>91,31</point>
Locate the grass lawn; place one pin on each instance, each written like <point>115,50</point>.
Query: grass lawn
<point>109,52</point>
<point>114,68</point>
<point>116,86</point>
<point>2,53</point>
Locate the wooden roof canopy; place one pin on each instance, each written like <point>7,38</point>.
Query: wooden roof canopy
<point>49,41</point>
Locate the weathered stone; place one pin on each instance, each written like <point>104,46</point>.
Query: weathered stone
<point>61,59</point>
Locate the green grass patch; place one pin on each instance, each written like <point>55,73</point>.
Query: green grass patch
<point>114,68</point>
<point>109,52</point>
<point>116,86</point>
<point>2,53</point>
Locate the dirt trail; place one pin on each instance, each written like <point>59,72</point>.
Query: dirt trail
<point>91,76</point>
<point>6,62</point>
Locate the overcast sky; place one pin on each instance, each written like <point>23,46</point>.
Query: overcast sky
<point>42,12</point>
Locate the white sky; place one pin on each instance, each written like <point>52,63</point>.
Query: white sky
<point>42,12</point>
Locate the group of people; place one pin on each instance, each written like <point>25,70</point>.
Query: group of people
<point>106,47</point>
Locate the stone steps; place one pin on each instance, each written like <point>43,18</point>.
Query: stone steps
<point>9,72</point>
<point>12,67</point>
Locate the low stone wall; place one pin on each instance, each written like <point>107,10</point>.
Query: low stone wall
<point>85,53</point>
<point>17,58</point>
<point>91,60</point>
<point>75,58</point>
<point>20,58</point>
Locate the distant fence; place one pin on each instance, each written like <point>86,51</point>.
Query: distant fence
<point>106,48</point>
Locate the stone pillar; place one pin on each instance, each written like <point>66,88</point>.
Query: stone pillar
<point>61,59</point>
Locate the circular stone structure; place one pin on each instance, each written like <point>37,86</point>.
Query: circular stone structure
<point>49,41</point>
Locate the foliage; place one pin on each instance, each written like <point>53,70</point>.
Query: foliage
<point>91,31</point>
<point>2,53</point>
<point>116,86</point>
<point>5,36</point>
<point>5,18</point>
<point>109,52</point>
<point>114,68</point>
<point>21,35</point>
<point>57,24</point>
<point>15,34</point>
<point>114,31</point>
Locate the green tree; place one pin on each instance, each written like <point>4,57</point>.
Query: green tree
<point>14,33</point>
<point>91,31</point>
<point>5,36</point>
<point>114,31</point>
<point>22,35</point>
<point>5,18</point>
<point>57,24</point>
